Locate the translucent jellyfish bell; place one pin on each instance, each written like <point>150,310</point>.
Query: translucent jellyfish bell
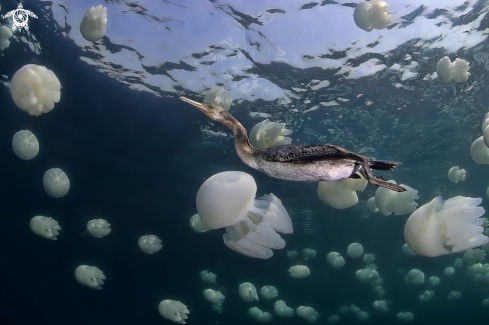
<point>449,271</point>
<point>388,201</point>
<point>308,253</point>
<point>94,23</point>
<point>341,194</point>
<point>405,316</point>
<point>149,244</point>
<point>228,200</point>
<point>257,314</point>
<point>5,34</point>
<point>268,292</point>
<point>458,70</point>
<point>414,276</point>
<point>354,250</point>
<point>440,228</point>
<point>281,309</point>
<point>173,310</point>
<point>218,96</point>
<point>479,151</point>
<point>25,144</point>
<point>372,15</point>
<point>434,281</point>
<point>333,319</point>
<point>335,260</point>
<point>197,225</point>
<point>381,306</point>
<point>473,256</point>
<point>408,251</point>
<point>454,295</point>
<point>45,227</point>
<point>267,134</point>
<point>56,182</point>
<point>214,297</point>
<point>367,275</point>
<point>308,313</point>
<point>35,89</point>
<point>426,296</point>
<point>299,271</point>
<point>456,174</point>
<point>208,277</point>
<point>90,276</point>
<point>98,228</point>
<point>247,291</point>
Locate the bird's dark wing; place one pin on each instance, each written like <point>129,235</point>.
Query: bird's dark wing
<point>306,153</point>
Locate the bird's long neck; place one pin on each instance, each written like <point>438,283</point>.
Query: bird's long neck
<point>244,149</point>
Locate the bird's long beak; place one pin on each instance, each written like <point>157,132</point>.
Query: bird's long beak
<point>203,108</point>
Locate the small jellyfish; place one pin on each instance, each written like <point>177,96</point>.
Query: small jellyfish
<point>173,310</point>
<point>308,313</point>
<point>218,96</point>
<point>381,306</point>
<point>299,271</point>
<point>45,227</point>
<point>449,271</point>
<point>56,183</point>
<point>148,244</point>
<point>90,276</point>
<point>455,174</point>
<point>479,151</point>
<point>208,277</point>
<point>434,281</point>
<point>335,260</point>
<point>247,291</point>
<point>197,225</point>
<point>405,316</point>
<point>354,250</point>
<point>94,23</point>
<point>308,253</point>
<point>426,296</point>
<point>5,34</point>
<point>453,295</point>
<point>282,310</point>
<point>25,145</point>
<point>458,70</point>
<point>214,297</point>
<point>259,315</point>
<point>372,15</point>
<point>268,292</point>
<point>267,134</point>
<point>98,228</point>
<point>414,276</point>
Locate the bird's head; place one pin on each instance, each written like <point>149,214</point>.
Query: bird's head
<point>214,112</point>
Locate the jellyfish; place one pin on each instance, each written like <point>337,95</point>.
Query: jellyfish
<point>371,205</point>
<point>215,297</point>
<point>439,228</point>
<point>388,201</point>
<point>341,194</point>
<point>56,183</point>
<point>456,174</point>
<point>308,313</point>
<point>35,89</point>
<point>247,291</point>
<point>426,296</point>
<point>408,251</point>
<point>90,276</point>
<point>414,276</point>
<point>268,292</point>
<point>148,244</point>
<point>472,256</point>
<point>291,254</point>
<point>368,258</point>
<point>299,271</point>
<point>434,281</point>
<point>354,250</point>
<point>381,306</point>
<point>453,295</point>
<point>45,227</point>
<point>218,96</point>
<point>197,225</point>
<point>227,200</point>
<point>94,23</point>
<point>333,319</point>
<point>335,260</point>
<point>308,253</point>
<point>259,315</point>
<point>458,263</point>
<point>98,228</point>
<point>208,277</point>
<point>405,316</point>
<point>5,34</point>
<point>363,315</point>
<point>267,134</point>
<point>367,275</point>
<point>449,271</point>
<point>282,310</point>
<point>479,152</point>
<point>173,310</point>
<point>25,145</point>
<point>372,14</point>
<point>458,70</point>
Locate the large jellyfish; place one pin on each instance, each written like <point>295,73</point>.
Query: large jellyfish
<point>400,203</point>
<point>90,276</point>
<point>439,228</point>
<point>247,291</point>
<point>341,194</point>
<point>458,70</point>
<point>45,227</point>
<point>479,151</point>
<point>282,310</point>
<point>266,134</point>
<point>5,34</point>
<point>25,144</point>
<point>148,244</point>
<point>455,174</point>
<point>98,228</point>
<point>35,89</point>
<point>372,14</point>
<point>173,310</point>
<point>227,200</point>
<point>56,183</point>
<point>218,96</point>
<point>94,23</point>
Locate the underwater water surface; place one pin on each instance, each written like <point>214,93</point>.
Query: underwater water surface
<point>136,155</point>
